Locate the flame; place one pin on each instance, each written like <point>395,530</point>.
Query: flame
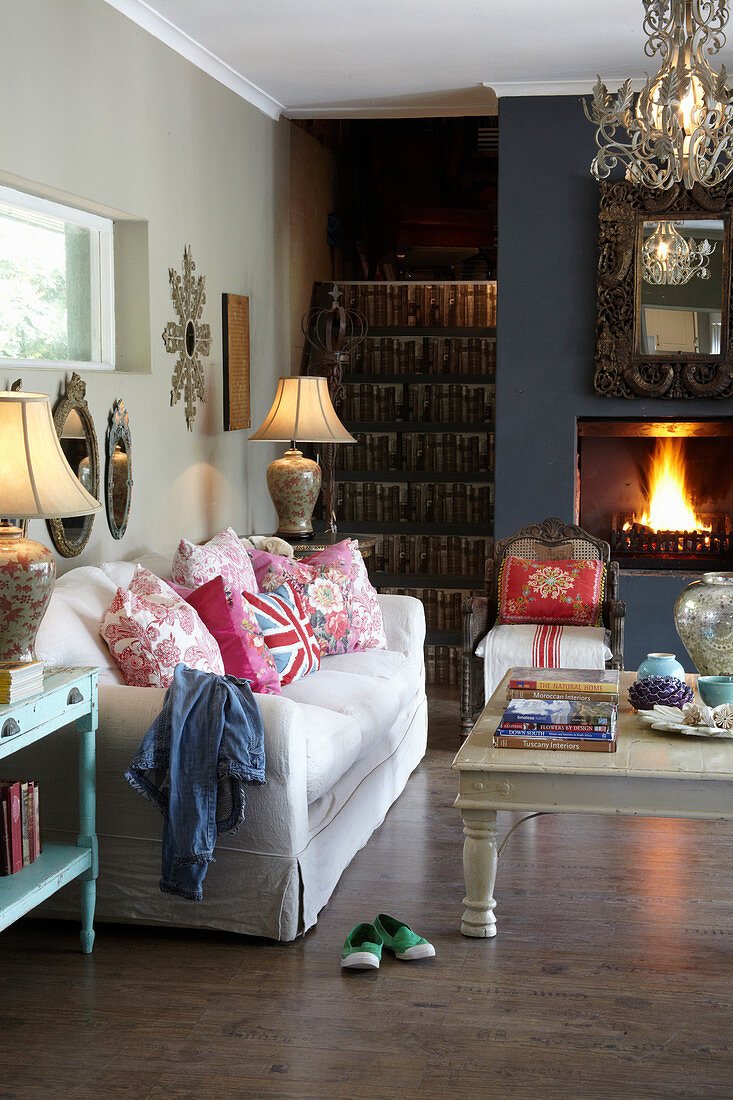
<point>668,507</point>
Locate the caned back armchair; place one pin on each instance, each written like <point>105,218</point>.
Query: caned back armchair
<point>551,540</point>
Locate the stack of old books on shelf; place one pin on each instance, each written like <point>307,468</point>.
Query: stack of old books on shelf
<point>20,832</point>
<point>19,680</point>
<point>571,709</point>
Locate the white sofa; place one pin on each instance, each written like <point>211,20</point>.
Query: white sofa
<point>340,745</point>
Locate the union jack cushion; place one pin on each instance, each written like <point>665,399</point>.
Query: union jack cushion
<point>288,633</point>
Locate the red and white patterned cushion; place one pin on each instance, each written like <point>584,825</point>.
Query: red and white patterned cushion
<point>149,630</point>
<point>564,593</point>
<point>287,632</point>
<point>367,625</point>
<point>222,556</point>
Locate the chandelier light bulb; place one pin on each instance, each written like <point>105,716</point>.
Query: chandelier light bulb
<point>680,130</point>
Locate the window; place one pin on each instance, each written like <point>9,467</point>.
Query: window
<point>56,284</point>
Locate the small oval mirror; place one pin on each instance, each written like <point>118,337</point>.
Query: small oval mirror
<point>119,470</point>
<point>78,439</point>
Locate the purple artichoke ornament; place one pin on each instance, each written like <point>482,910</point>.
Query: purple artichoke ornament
<point>666,691</point>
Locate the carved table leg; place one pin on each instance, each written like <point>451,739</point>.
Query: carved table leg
<point>479,868</point>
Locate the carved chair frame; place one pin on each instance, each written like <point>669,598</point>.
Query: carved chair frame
<point>479,612</point>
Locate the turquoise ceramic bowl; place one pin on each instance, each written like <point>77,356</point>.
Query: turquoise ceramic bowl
<point>715,690</point>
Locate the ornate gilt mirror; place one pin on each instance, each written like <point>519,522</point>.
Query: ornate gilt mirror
<point>78,439</point>
<point>664,303</point>
<point>119,470</point>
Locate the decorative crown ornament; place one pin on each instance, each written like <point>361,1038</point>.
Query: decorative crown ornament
<point>680,128</point>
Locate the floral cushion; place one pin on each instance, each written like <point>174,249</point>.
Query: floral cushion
<point>326,595</point>
<point>234,626</point>
<point>367,626</point>
<point>558,592</point>
<point>287,632</point>
<point>222,556</point>
<point>149,630</point>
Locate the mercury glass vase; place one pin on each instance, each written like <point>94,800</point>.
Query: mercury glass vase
<point>703,615</point>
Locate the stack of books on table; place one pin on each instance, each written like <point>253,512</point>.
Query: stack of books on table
<point>569,709</point>
<point>19,680</point>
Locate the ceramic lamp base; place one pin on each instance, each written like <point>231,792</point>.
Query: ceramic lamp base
<point>27,574</point>
<point>294,483</point>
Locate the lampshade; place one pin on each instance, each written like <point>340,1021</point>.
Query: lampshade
<point>36,481</point>
<point>302,412</point>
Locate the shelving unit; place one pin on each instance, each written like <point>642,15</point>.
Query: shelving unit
<point>69,695</point>
<point>419,399</point>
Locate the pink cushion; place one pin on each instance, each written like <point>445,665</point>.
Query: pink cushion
<point>235,629</point>
<point>367,625</point>
<point>222,556</point>
<point>287,631</point>
<point>325,593</point>
<point>149,630</point>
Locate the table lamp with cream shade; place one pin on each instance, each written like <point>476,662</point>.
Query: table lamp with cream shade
<point>301,412</point>
<point>36,482</point>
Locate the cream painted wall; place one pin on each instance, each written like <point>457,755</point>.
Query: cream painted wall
<point>95,107</point>
<point>312,196</point>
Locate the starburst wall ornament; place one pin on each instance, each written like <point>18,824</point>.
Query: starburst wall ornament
<point>188,337</point>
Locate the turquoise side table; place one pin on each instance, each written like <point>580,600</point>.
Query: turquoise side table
<point>69,695</point>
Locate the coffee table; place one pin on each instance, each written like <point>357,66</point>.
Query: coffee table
<point>651,774</point>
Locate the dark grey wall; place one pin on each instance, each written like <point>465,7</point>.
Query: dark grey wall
<point>548,240</point>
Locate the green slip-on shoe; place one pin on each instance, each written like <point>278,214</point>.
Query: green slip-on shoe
<point>363,948</point>
<point>399,937</point>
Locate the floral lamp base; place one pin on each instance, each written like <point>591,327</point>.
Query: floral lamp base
<point>27,574</point>
<point>294,483</point>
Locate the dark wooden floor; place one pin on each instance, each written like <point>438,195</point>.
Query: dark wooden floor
<point>611,976</point>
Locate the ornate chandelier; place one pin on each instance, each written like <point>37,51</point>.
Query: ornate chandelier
<point>669,259</point>
<point>681,128</point>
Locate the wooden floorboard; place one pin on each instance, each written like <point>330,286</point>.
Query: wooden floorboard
<point>611,976</point>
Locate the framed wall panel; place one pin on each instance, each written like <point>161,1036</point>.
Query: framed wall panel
<point>235,323</point>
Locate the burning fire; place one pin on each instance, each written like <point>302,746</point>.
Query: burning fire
<point>668,507</point>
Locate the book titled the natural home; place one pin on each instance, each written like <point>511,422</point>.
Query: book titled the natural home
<point>590,681</point>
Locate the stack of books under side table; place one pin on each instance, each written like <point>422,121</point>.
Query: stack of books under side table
<point>567,708</point>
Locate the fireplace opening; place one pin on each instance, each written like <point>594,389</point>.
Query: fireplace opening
<point>660,492</point>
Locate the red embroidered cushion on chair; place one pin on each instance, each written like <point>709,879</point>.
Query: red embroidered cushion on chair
<point>565,593</point>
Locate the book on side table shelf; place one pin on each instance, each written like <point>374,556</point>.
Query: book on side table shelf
<point>19,680</point>
<point>566,709</point>
<point>20,837</point>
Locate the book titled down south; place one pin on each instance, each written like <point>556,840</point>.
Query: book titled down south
<point>591,716</point>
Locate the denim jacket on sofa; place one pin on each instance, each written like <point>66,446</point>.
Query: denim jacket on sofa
<point>207,741</point>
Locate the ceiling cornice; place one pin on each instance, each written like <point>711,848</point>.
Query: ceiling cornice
<point>556,87</point>
<point>157,25</point>
<point>438,111</point>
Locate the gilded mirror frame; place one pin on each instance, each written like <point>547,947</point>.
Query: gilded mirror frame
<point>621,370</point>
<point>74,400</point>
<point>118,432</point>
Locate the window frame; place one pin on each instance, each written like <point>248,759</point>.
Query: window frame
<point>102,280</point>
